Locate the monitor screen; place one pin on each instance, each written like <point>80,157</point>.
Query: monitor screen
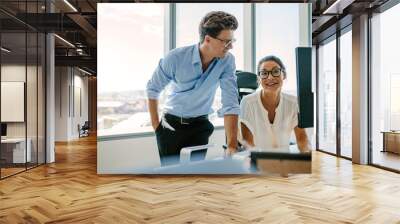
<point>3,129</point>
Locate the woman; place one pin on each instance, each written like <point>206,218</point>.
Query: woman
<point>269,116</point>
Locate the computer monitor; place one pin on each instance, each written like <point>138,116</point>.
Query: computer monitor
<point>3,129</point>
<point>281,162</point>
<point>305,95</point>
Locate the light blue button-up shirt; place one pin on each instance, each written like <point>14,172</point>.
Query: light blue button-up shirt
<point>192,90</point>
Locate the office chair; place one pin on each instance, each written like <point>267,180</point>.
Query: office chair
<point>84,130</point>
<point>246,82</point>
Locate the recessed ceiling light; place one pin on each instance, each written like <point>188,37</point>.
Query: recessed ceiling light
<point>64,40</point>
<point>337,7</point>
<point>84,71</point>
<point>70,5</point>
<point>5,50</point>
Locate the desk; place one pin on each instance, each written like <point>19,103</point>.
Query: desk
<point>15,148</point>
<point>240,163</point>
<point>391,141</point>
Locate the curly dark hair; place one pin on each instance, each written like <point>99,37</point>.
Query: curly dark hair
<point>216,21</point>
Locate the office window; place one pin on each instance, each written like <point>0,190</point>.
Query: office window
<point>277,33</point>
<point>130,44</point>
<point>346,94</point>
<point>327,96</point>
<point>188,17</point>
<point>385,84</point>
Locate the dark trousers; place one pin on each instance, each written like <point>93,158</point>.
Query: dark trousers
<point>191,132</point>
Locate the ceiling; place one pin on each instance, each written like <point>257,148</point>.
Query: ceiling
<point>76,22</point>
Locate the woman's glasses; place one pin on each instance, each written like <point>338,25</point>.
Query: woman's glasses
<point>276,72</point>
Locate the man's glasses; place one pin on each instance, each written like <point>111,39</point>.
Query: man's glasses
<point>276,72</point>
<point>227,43</point>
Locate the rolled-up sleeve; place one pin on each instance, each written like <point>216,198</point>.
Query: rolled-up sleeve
<point>161,77</point>
<point>229,91</point>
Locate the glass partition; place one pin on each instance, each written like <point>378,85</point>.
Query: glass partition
<point>31,99</point>
<point>22,91</point>
<point>346,94</point>
<point>13,107</point>
<point>385,88</point>
<point>41,106</point>
<point>327,97</point>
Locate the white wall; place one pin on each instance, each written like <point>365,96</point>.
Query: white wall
<point>12,73</point>
<point>123,155</point>
<point>17,73</point>
<point>70,83</point>
<point>61,103</point>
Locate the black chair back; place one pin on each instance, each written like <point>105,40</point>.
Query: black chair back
<point>86,125</point>
<point>247,83</point>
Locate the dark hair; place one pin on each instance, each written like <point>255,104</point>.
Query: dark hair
<point>274,59</point>
<point>214,22</point>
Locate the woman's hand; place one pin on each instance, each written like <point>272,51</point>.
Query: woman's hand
<point>302,140</point>
<point>247,145</point>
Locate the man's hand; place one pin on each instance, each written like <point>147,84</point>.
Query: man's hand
<point>231,129</point>
<point>155,124</point>
<point>229,152</point>
<point>305,150</point>
<point>153,109</point>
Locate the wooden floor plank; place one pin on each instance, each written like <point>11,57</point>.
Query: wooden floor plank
<point>70,191</point>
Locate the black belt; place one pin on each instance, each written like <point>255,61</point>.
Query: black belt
<point>185,120</point>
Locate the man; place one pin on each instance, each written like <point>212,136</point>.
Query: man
<point>194,73</point>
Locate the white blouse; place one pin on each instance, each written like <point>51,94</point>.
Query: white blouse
<point>266,135</point>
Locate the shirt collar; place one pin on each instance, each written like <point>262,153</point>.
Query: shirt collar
<point>278,108</point>
<point>196,54</point>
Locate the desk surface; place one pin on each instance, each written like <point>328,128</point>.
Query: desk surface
<point>234,165</point>
<point>240,163</point>
<point>390,132</point>
<point>13,140</point>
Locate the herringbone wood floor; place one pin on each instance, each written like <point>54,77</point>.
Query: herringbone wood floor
<point>70,191</point>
